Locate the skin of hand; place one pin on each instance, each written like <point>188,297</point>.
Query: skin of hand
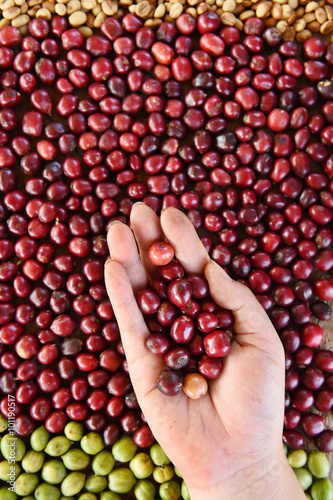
<point>227,444</point>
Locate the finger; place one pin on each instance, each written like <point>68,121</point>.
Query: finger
<point>147,230</point>
<point>181,234</point>
<point>252,325</point>
<point>124,250</point>
<point>144,366</point>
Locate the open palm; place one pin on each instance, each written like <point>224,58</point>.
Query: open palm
<point>238,423</point>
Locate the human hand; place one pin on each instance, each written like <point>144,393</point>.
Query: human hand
<point>229,442</point>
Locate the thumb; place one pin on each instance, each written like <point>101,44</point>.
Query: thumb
<point>252,325</point>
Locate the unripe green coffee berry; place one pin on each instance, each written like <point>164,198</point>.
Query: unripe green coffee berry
<point>304,478</point>
<point>121,480</point>
<point>170,491</point>
<point>177,472</point>
<point>47,492</point>
<point>57,446</point>
<point>103,463</point>
<point>26,484</point>
<point>141,465</point>
<point>9,472</point>
<point>109,495</point>
<point>95,483</point>
<point>92,443</point>
<point>33,461</point>
<point>157,455</point>
<point>297,458</point>
<point>144,490</point>
<point>124,449</point>
<point>6,494</point>
<point>88,496</point>
<point>12,448</point>
<point>318,464</point>
<point>322,489</point>
<point>74,431</point>
<point>73,484</point>
<point>53,471</point>
<point>39,438</point>
<point>184,491</point>
<point>3,423</point>
<point>75,459</point>
<point>163,473</point>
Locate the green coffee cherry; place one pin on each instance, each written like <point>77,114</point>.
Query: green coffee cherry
<point>285,448</point>
<point>53,472</point>
<point>6,494</point>
<point>30,497</point>
<point>141,465</point>
<point>88,496</point>
<point>57,446</point>
<point>158,456</point>
<point>322,489</point>
<point>121,480</point>
<point>177,472</point>
<point>163,473</point>
<point>67,498</point>
<point>47,492</point>
<point>96,484</point>
<point>74,431</point>
<point>170,491</point>
<point>318,464</point>
<point>26,484</point>
<point>103,463</point>
<point>92,443</point>
<point>109,495</point>
<point>308,496</point>
<point>144,490</point>
<point>39,438</point>
<point>9,472</point>
<point>297,458</point>
<point>12,448</point>
<point>304,478</point>
<point>3,423</point>
<point>124,449</point>
<point>75,459</point>
<point>184,491</point>
<point>73,484</point>
<point>33,461</point>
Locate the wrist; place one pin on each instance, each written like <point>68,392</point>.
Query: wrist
<point>271,478</point>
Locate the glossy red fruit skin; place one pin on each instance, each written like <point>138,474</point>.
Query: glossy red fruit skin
<point>179,292</point>
<point>158,343</point>
<point>119,384</point>
<point>291,418</point>
<point>169,382</point>
<point>40,408</point>
<point>325,441</point>
<point>148,301</point>
<point>324,360</point>
<point>312,335</point>
<point>217,343</point>
<point>182,329</point>
<point>210,367</point>
<point>293,439</point>
<point>143,437</point>
<point>302,400</point>
<point>324,400</point>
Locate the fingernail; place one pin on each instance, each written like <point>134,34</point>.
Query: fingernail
<point>137,203</point>
<point>107,261</point>
<point>115,222</point>
<point>221,270</point>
